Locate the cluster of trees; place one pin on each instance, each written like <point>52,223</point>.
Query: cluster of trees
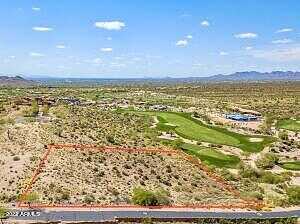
<point>293,193</point>
<point>3,214</point>
<point>150,198</point>
<point>263,176</point>
<point>33,110</point>
<point>268,161</point>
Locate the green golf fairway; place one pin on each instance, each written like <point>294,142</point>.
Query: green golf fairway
<point>211,156</point>
<point>294,165</point>
<point>187,127</point>
<point>289,124</point>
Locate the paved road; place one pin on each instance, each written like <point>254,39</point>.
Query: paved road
<point>110,215</point>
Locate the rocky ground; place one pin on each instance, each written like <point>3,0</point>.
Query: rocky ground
<point>73,176</point>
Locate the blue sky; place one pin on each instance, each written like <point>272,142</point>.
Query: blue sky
<point>143,38</point>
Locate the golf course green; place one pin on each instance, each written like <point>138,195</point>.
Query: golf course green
<point>187,127</point>
<point>289,124</point>
<point>211,156</point>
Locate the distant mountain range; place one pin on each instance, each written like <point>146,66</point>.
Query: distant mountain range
<point>256,76</point>
<point>15,81</point>
<point>248,76</point>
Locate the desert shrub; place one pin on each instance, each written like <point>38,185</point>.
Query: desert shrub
<point>61,111</point>
<point>45,110</point>
<point>16,158</point>
<point>6,121</point>
<point>149,198</point>
<point>33,111</point>
<point>110,139</point>
<point>31,197</point>
<point>271,178</point>
<point>65,196</point>
<point>2,121</point>
<point>2,108</point>
<point>248,172</point>
<point>276,200</point>
<point>283,135</point>
<point>227,175</point>
<point>267,161</point>
<point>293,194</point>
<point>253,194</point>
<point>3,212</point>
<point>88,199</point>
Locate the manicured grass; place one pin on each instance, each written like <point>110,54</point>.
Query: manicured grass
<point>211,156</point>
<point>190,128</point>
<point>289,124</point>
<point>293,165</point>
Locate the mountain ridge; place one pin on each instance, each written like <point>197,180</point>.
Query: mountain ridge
<point>17,80</point>
<point>246,76</point>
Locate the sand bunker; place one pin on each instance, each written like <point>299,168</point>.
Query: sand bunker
<point>255,139</point>
<point>169,124</point>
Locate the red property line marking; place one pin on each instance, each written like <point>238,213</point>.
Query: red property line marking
<point>35,175</point>
<point>111,148</point>
<point>219,180</point>
<point>198,206</point>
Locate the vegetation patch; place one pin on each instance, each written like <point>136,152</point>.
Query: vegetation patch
<point>150,198</point>
<point>293,193</point>
<point>289,124</point>
<point>190,128</point>
<point>122,178</point>
<point>292,165</point>
<point>211,156</point>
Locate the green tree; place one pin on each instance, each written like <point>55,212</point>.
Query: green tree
<point>293,194</point>
<point>45,109</point>
<point>148,198</point>
<point>3,214</point>
<point>268,161</point>
<point>33,111</point>
<point>30,198</point>
<point>34,108</point>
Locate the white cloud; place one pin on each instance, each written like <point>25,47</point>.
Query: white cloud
<point>185,15</point>
<point>106,49</point>
<point>246,35</point>
<point>197,65</point>
<point>42,29</point>
<point>248,48</point>
<point>205,23</point>
<point>282,41</point>
<point>278,55</point>
<point>97,61</point>
<point>60,46</point>
<point>136,59</point>
<point>35,54</point>
<point>110,25</point>
<point>189,37</point>
<point>223,53</point>
<point>182,43</point>
<point>115,64</point>
<point>284,30</point>
<point>36,9</point>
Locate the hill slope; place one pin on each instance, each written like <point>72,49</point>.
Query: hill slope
<point>15,81</point>
<point>256,76</point>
